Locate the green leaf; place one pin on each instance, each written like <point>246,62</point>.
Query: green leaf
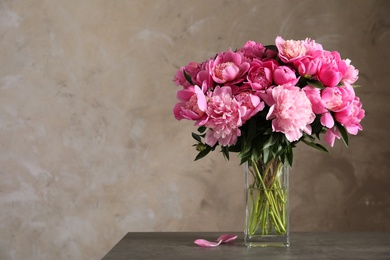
<point>316,127</point>
<point>356,86</point>
<point>316,146</point>
<point>188,77</point>
<point>201,129</point>
<point>244,156</point>
<point>290,155</point>
<point>270,141</point>
<point>280,149</point>
<point>268,131</point>
<point>243,160</point>
<point>321,148</point>
<point>343,133</point>
<point>225,152</point>
<point>235,148</point>
<point>302,82</point>
<point>267,155</point>
<point>311,138</point>
<point>316,84</point>
<point>196,137</point>
<point>203,153</point>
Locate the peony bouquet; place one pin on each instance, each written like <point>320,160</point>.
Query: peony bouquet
<point>280,94</point>
<point>261,100</point>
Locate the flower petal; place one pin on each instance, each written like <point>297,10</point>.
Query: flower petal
<point>206,243</point>
<point>327,120</point>
<point>201,99</point>
<point>226,238</point>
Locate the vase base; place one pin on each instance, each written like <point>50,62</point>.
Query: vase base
<point>257,244</point>
<point>267,241</point>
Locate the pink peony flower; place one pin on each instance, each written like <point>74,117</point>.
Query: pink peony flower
<point>291,113</point>
<point>311,46</point>
<point>284,75</point>
<point>192,105</point>
<point>252,50</point>
<point>351,116</point>
<point>251,102</point>
<point>203,78</point>
<point>336,99</point>
<point>351,75</point>
<point>260,74</point>
<point>228,67</point>
<point>307,66</point>
<point>332,69</point>
<point>290,50</point>
<point>192,70</point>
<point>198,73</point>
<point>224,117</point>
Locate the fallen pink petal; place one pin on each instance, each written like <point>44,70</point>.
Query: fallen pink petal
<point>206,243</point>
<point>225,238</point>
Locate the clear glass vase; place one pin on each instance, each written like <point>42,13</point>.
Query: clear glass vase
<point>267,199</point>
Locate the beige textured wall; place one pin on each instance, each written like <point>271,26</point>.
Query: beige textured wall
<point>89,149</point>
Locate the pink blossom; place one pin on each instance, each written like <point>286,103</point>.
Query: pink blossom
<point>291,113</point>
<point>252,50</point>
<point>351,116</point>
<point>192,70</point>
<point>198,73</point>
<point>192,105</point>
<point>311,46</point>
<point>260,74</point>
<point>251,102</point>
<point>203,77</point>
<point>228,67</point>
<point>351,74</point>
<point>308,66</point>
<point>332,99</point>
<point>224,117</point>
<point>337,98</point>
<point>332,69</point>
<point>290,50</point>
<point>284,75</point>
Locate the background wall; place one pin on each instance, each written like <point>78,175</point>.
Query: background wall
<point>89,148</point>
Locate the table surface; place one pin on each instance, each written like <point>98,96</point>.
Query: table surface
<point>180,245</point>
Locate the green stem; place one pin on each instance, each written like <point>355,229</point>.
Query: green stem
<point>268,199</point>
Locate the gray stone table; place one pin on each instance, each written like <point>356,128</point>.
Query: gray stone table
<point>180,245</point>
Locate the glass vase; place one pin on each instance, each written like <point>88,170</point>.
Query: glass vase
<point>267,199</point>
